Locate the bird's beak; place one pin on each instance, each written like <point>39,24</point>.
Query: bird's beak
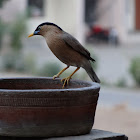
<point>31,35</point>
<point>35,33</point>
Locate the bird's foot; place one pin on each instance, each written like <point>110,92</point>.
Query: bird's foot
<point>66,81</point>
<point>55,76</point>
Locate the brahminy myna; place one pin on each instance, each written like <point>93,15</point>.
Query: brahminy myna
<point>67,49</point>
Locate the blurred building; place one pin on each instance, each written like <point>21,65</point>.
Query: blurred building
<point>119,14</point>
<point>75,16</point>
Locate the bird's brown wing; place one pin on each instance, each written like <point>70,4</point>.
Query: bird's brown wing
<point>74,44</point>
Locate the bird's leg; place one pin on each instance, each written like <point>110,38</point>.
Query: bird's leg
<point>57,75</point>
<point>66,80</point>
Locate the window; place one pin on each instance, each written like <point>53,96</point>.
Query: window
<point>90,11</point>
<point>36,8</point>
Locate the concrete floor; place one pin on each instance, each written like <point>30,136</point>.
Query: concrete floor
<point>114,62</point>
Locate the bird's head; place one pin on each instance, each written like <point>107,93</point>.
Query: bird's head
<point>44,28</point>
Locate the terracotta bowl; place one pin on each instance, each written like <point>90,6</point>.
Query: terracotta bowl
<point>39,107</point>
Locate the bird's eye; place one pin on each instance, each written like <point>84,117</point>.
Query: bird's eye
<point>39,28</point>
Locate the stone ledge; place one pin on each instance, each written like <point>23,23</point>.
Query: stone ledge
<point>95,135</point>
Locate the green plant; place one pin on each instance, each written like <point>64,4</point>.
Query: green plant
<point>2,30</point>
<point>16,62</point>
<point>121,82</point>
<point>135,69</point>
<point>1,2</point>
<point>49,69</point>
<point>30,64</point>
<point>13,59</point>
<point>9,61</point>
<point>17,29</point>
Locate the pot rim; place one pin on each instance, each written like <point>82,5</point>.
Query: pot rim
<point>90,85</point>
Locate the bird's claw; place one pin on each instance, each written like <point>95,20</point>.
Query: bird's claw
<point>66,81</point>
<point>55,76</point>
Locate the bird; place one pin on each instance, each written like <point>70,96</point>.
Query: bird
<point>67,49</point>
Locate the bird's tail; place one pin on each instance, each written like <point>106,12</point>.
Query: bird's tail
<point>91,73</point>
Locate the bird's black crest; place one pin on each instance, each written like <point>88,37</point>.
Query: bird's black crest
<point>49,23</point>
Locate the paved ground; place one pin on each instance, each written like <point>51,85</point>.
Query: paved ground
<point>119,111</point>
<point>120,96</point>
<point>114,62</point>
<point>119,119</point>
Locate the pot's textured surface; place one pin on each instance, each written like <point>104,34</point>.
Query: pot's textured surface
<point>40,107</point>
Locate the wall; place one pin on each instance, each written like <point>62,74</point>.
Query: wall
<point>11,9</point>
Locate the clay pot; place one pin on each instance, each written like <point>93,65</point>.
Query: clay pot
<point>40,107</point>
